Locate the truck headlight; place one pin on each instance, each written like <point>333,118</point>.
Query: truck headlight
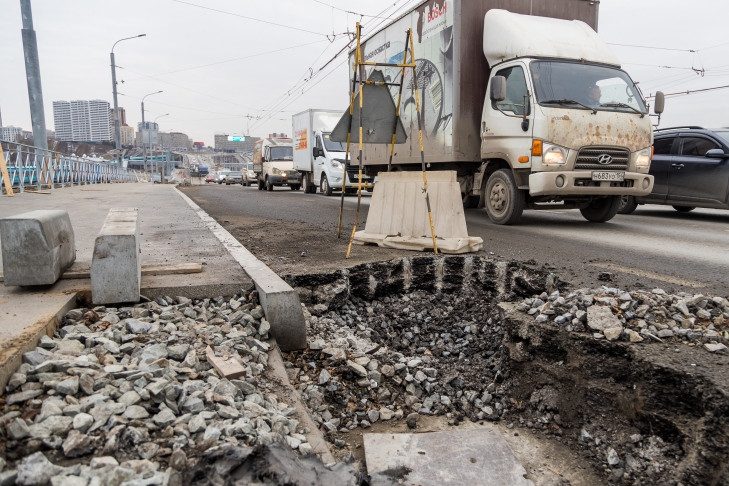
<point>643,158</point>
<point>336,164</point>
<point>276,170</point>
<point>554,155</point>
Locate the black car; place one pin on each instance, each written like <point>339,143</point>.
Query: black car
<point>691,170</point>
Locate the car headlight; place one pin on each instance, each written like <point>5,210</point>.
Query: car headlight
<point>643,158</point>
<point>554,155</point>
<point>276,170</point>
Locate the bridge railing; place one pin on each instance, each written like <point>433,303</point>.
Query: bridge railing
<point>34,168</point>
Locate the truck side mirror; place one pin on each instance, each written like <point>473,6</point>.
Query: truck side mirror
<point>317,152</point>
<point>498,88</point>
<point>659,103</point>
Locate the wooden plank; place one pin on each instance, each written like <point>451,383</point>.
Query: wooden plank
<point>227,367</point>
<point>5,175</point>
<point>147,270</point>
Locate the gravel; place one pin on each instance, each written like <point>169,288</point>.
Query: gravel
<point>128,394</point>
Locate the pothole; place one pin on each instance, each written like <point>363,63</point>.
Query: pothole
<point>408,341</point>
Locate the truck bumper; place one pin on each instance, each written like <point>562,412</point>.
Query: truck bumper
<point>277,180</point>
<point>580,183</point>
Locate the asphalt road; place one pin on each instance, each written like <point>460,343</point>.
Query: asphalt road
<point>655,247</point>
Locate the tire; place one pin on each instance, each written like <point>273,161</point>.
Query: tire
<point>295,187</point>
<point>627,205</point>
<point>684,209</point>
<point>602,209</point>
<point>326,189</point>
<point>260,185</point>
<point>269,186</point>
<point>469,201</point>
<point>504,201</point>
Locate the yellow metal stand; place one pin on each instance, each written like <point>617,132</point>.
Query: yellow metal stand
<point>359,80</point>
<point>6,176</point>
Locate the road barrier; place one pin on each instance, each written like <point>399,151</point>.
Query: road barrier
<point>30,167</point>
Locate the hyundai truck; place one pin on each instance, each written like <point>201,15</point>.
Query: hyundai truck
<point>525,102</point>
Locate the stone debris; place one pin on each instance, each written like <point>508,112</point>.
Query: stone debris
<point>129,395</point>
<point>638,316</point>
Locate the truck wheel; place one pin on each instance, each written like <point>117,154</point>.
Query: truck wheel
<point>469,201</point>
<point>269,186</point>
<point>260,185</point>
<point>627,205</point>
<point>602,209</point>
<point>326,189</point>
<point>504,201</point>
<point>684,209</point>
<point>295,187</point>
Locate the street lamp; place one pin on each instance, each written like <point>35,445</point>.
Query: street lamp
<point>149,139</point>
<point>117,126</point>
<point>144,147</point>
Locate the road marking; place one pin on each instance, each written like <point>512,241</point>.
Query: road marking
<point>655,276</point>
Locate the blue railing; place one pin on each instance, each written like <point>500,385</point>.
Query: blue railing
<point>33,168</point>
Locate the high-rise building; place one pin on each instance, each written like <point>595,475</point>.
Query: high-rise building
<point>10,134</point>
<point>127,136</point>
<point>82,121</point>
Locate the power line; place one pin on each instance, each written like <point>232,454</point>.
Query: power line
<point>350,11</point>
<point>652,47</point>
<point>249,18</point>
<point>692,91</point>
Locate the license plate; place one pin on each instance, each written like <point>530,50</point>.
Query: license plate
<point>608,176</point>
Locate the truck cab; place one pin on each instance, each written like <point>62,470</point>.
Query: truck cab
<point>329,166</point>
<point>273,158</point>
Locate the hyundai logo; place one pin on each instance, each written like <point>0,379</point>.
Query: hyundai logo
<point>604,159</point>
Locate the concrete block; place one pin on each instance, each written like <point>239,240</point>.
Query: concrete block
<point>116,265</point>
<point>37,247</point>
<point>282,306</point>
<point>398,214</point>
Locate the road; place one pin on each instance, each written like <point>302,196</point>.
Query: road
<point>653,247</point>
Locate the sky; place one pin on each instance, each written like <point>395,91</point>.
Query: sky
<point>245,67</point>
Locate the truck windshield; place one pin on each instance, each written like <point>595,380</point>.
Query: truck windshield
<point>333,146</point>
<point>283,152</point>
<point>585,86</point>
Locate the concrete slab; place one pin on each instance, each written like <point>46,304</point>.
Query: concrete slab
<point>475,456</point>
<point>170,233</point>
<point>398,214</point>
<point>116,265</point>
<point>37,246</point>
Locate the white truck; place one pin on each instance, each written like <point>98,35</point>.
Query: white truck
<point>273,163</point>
<point>524,101</point>
<point>320,160</point>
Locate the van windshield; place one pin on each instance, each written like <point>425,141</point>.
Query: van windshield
<point>282,152</point>
<point>585,86</point>
<point>333,146</point>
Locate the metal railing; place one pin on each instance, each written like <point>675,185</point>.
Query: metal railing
<point>34,168</point>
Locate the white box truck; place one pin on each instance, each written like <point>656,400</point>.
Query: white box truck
<point>320,160</point>
<point>273,163</point>
<point>524,101</point>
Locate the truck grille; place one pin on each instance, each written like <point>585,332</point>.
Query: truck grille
<point>587,158</point>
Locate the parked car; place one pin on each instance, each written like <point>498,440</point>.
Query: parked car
<point>249,175</point>
<point>691,169</point>
<point>210,178</point>
<point>234,177</point>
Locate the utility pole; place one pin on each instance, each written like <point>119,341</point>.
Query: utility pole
<point>32,74</point>
<point>117,123</point>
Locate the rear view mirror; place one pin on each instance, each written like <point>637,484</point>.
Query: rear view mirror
<point>659,103</point>
<point>317,152</point>
<point>498,88</point>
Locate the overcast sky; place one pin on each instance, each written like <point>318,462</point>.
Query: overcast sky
<point>244,67</point>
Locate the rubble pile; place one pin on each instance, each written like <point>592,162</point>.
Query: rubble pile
<point>127,394</point>
<point>401,356</point>
<point>614,314</point>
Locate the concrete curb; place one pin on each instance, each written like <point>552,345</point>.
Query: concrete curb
<point>279,300</point>
<point>314,436</point>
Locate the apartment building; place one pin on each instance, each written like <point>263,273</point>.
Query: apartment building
<point>82,121</point>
